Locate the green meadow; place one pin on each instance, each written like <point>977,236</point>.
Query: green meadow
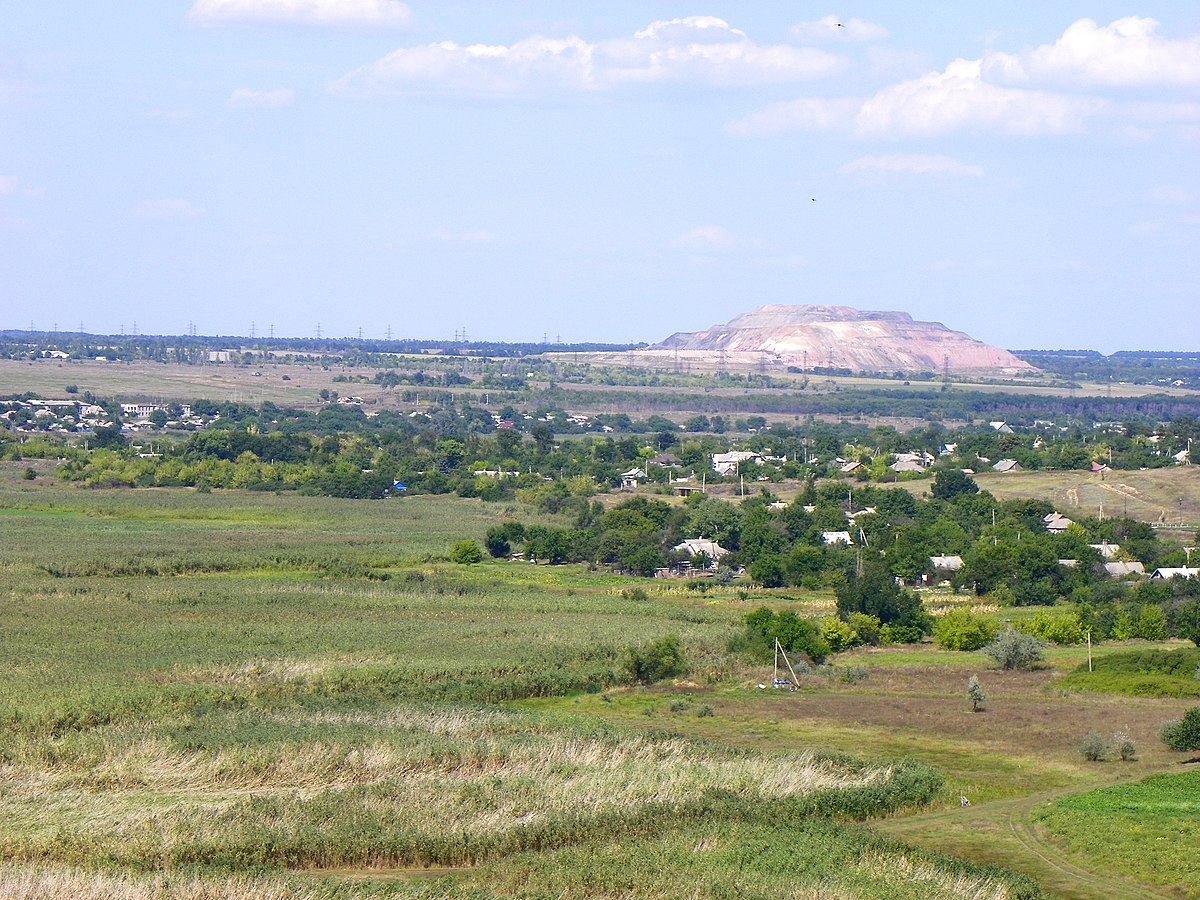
<point>238,694</point>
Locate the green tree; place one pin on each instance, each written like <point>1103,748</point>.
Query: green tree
<point>662,659</point>
<point>960,629</point>
<point>1185,733</point>
<point>950,483</point>
<point>466,553</point>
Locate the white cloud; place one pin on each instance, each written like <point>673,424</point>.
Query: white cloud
<point>389,13</point>
<point>910,164</point>
<point>831,28</point>
<point>166,209</point>
<point>707,237</point>
<point>806,114</point>
<point>245,98</point>
<point>463,237</point>
<point>959,98</point>
<point>1125,53</point>
<point>696,49</point>
<point>8,185</point>
<point>1170,195</point>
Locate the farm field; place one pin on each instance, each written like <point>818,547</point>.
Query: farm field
<point>245,694</point>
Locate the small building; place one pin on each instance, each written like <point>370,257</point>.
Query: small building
<point>694,547</point>
<point>946,563</point>
<point>1001,427</point>
<point>1106,550</point>
<point>1164,573</point>
<point>729,463</point>
<point>1007,466</point>
<point>1057,524</point>
<point>836,537</point>
<point>1124,569</point>
<point>851,467</point>
<point>631,479</point>
<point>906,465</point>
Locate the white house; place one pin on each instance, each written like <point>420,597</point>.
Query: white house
<point>836,537</point>
<point>1177,572</point>
<point>695,546</point>
<point>729,463</point>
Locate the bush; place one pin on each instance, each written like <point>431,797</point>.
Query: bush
<point>960,629</point>
<point>1094,748</point>
<point>867,627</point>
<point>900,634</point>
<point>1183,734</point>
<point>662,659</point>
<point>1013,650</point>
<point>838,634</point>
<point>1151,624</point>
<point>1124,746</point>
<point>705,712</point>
<point>466,553</point>
<point>975,693</point>
<point>1057,627</point>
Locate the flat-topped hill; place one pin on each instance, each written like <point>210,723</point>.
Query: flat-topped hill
<point>846,338</point>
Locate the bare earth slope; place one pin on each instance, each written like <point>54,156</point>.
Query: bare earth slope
<point>860,340</point>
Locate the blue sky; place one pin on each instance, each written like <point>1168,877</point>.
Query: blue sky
<point>1026,172</point>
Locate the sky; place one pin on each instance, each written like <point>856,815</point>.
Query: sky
<point>1026,172</point>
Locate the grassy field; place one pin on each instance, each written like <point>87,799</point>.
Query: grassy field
<point>236,694</point>
<point>1149,830</point>
<point>1160,496</point>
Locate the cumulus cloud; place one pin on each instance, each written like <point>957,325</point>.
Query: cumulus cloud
<point>245,98</point>
<point>387,13</point>
<point>1125,53</point>
<point>805,114</point>
<point>707,237</point>
<point>954,99</point>
<point>695,49</point>
<point>166,209</point>
<point>831,28</point>
<point>960,98</point>
<point>910,164</point>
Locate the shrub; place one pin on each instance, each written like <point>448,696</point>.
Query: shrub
<point>1124,746</point>
<point>900,634</point>
<point>867,627</point>
<point>1151,624</point>
<point>838,634</point>
<point>1183,734</point>
<point>1013,650</point>
<point>661,659</point>
<point>29,474</point>
<point>635,594</point>
<point>705,712</point>
<point>1057,627</point>
<point>1094,748</point>
<point>975,693</point>
<point>466,553</point>
<point>960,629</point>
<point>852,674</point>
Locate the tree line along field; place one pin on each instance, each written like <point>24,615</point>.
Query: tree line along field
<point>250,694</point>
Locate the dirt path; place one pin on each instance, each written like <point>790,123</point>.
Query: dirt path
<point>1002,833</point>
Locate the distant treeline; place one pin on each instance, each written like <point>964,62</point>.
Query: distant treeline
<point>167,348</point>
<point>930,404</point>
